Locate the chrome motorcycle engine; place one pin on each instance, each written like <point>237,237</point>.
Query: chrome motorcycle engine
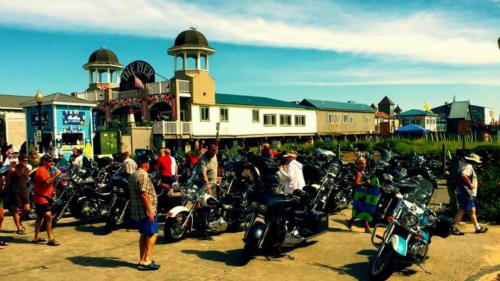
<point>217,225</point>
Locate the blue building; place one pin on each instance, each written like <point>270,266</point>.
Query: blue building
<point>59,123</point>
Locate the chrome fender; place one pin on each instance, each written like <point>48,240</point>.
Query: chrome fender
<point>175,211</point>
<point>399,244</point>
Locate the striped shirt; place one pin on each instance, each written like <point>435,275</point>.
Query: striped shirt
<point>139,182</point>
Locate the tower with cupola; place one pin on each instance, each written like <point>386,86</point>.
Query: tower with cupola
<point>104,70</point>
<point>191,54</point>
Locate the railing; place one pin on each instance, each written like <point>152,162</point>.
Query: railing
<point>170,128</point>
<point>162,87</point>
<point>96,95</point>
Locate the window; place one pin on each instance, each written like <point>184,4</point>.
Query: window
<point>255,116</point>
<point>269,120</point>
<point>300,120</point>
<point>72,138</point>
<point>367,120</point>
<point>224,114</point>
<point>285,120</point>
<point>331,118</point>
<point>351,118</point>
<point>204,114</point>
<point>346,118</point>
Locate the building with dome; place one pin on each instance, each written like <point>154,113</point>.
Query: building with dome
<point>184,108</point>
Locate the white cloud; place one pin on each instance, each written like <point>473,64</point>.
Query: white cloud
<point>431,36</point>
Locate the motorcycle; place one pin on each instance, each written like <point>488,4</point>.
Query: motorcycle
<point>408,232</point>
<point>205,213</point>
<point>277,221</point>
<point>119,208</point>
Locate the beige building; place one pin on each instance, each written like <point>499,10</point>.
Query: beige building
<point>12,120</point>
<point>338,118</point>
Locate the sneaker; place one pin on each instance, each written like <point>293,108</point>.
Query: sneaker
<point>151,266</point>
<point>348,224</point>
<point>481,230</point>
<point>457,232</point>
<point>369,230</point>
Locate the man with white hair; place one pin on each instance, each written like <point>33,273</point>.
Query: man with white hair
<point>292,173</point>
<point>467,192</point>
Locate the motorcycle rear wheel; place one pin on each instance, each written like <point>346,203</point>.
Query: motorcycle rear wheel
<point>174,230</point>
<point>382,267</point>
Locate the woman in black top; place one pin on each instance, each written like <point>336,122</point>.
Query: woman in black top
<point>17,191</point>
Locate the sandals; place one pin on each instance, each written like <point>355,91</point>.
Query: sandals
<point>53,242</point>
<point>457,232</point>
<point>348,224</point>
<point>3,243</point>
<point>21,231</point>
<point>481,230</point>
<point>151,266</point>
<point>370,230</point>
<point>39,240</point>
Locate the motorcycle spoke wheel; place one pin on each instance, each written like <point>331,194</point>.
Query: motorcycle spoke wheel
<point>382,267</point>
<point>174,229</point>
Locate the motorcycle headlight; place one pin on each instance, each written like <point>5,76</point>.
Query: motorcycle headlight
<point>263,208</point>
<point>189,192</point>
<point>114,189</point>
<point>410,220</point>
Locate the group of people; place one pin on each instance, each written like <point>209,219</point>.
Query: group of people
<point>18,197</point>
<point>43,174</point>
<point>144,200</point>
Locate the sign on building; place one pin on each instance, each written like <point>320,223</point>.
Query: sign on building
<point>463,127</point>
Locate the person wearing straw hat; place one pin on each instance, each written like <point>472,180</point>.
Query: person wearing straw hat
<point>292,173</point>
<point>467,192</point>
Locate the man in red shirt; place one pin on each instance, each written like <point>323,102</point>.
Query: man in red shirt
<point>164,166</point>
<point>43,188</point>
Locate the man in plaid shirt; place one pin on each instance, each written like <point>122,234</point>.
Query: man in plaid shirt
<point>143,210</point>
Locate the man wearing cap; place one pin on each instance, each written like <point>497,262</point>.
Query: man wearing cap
<point>143,210</point>
<point>292,173</point>
<point>18,192</point>
<point>467,192</point>
<point>43,189</point>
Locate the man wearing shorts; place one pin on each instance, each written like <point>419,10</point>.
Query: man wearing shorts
<point>466,194</point>
<point>43,188</point>
<point>143,210</point>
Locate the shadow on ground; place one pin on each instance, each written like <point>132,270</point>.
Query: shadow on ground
<point>110,262</point>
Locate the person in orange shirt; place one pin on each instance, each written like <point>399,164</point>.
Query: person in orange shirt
<point>43,188</point>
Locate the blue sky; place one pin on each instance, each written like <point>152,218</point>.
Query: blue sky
<point>423,51</point>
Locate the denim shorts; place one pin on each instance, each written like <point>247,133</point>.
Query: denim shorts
<point>465,201</point>
<point>147,228</point>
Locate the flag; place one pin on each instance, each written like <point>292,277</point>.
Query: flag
<point>103,87</point>
<point>138,83</point>
<point>427,108</point>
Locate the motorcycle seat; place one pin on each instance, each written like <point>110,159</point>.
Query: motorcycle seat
<point>281,202</point>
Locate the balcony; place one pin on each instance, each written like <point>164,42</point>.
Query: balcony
<point>171,128</point>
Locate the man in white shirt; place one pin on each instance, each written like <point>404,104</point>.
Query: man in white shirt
<point>175,168</point>
<point>130,164</point>
<point>78,162</point>
<point>12,158</point>
<point>292,173</point>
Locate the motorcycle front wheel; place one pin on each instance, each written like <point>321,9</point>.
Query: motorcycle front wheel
<point>174,229</point>
<point>248,250</point>
<point>382,266</point>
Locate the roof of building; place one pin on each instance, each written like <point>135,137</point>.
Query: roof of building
<point>59,98</point>
<point>13,102</point>
<point>255,101</point>
<point>415,112</point>
<point>381,114</point>
<point>191,37</point>
<point>332,105</point>
<point>398,109</point>
<point>386,101</point>
<point>459,110</point>
<point>374,106</point>
<point>103,56</point>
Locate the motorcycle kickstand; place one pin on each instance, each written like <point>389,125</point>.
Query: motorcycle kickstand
<point>420,265</point>
<point>290,256</point>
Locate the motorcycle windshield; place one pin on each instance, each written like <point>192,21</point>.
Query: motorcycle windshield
<point>416,190</point>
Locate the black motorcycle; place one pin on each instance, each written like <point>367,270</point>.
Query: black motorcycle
<point>277,221</point>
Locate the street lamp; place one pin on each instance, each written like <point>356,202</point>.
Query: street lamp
<point>39,99</point>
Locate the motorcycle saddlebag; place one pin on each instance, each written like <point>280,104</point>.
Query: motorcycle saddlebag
<point>316,222</point>
<point>444,226</point>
